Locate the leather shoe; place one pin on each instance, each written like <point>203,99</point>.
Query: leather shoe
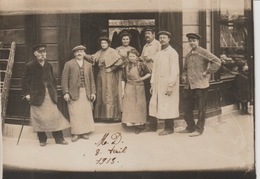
<point>74,138</point>
<point>137,130</point>
<point>166,132</point>
<point>85,136</point>
<point>63,142</point>
<point>184,131</point>
<point>149,129</point>
<point>195,133</point>
<point>43,144</point>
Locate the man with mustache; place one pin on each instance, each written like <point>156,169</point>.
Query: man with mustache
<point>164,104</point>
<point>79,91</point>
<point>150,49</point>
<point>198,65</point>
<point>39,88</point>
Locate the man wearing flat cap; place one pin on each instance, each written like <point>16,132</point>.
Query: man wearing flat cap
<point>79,90</point>
<point>164,104</point>
<point>150,49</point>
<point>39,88</point>
<point>198,65</point>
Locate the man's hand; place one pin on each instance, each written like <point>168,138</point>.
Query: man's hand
<point>168,91</point>
<point>183,79</point>
<point>92,97</point>
<point>67,97</point>
<point>28,97</point>
<point>147,59</point>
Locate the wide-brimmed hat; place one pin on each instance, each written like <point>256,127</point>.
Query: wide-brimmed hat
<point>79,47</point>
<point>39,47</point>
<point>165,33</point>
<point>193,36</point>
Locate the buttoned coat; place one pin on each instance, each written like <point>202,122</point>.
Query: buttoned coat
<point>165,74</point>
<point>196,62</point>
<point>70,80</point>
<point>35,78</point>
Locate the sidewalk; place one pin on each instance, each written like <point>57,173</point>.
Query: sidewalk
<point>226,144</point>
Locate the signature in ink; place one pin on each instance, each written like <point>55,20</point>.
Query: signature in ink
<point>114,139</point>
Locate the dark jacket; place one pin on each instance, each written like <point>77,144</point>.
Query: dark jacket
<point>70,80</point>
<point>35,78</point>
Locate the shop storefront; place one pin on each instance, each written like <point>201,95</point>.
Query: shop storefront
<point>225,31</point>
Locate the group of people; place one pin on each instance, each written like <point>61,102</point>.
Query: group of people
<point>136,89</point>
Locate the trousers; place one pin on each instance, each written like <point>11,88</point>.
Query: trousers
<point>57,135</point>
<point>190,97</point>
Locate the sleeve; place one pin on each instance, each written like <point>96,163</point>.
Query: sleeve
<point>65,79</point>
<point>89,58</point>
<point>174,69</point>
<point>54,81</point>
<point>26,78</point>
<point>92,82</point>
<point>157,49</point>
<point>123,78</point>
<point>142,55</point>
<point>214,61</point>
<point>145,69</point>
<point>184,72</point>
<point>154,71</point>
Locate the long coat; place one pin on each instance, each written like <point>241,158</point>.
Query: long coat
<point>165,74</point>
<point>70,80</point>
<point>33,82</point>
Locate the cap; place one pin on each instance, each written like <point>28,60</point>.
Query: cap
<point>79,47</point>
<point>165,33</point>
<point>104,38</point>
<point>149,29</point>
<point>193,36</point>
<point>39,47</point>
<point>125,33</point>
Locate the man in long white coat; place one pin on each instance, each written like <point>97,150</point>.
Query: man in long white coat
<point>164,103</point>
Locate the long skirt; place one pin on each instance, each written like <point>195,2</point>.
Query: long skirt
<point>107,104</point>
<point>134,105</point>
<point>47,117</point>
<point>81,115</point>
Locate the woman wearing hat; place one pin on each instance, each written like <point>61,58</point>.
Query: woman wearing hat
<point>107,106</point>
<point>134,102</point>
<point>125,47</point>
<point>122,51</point>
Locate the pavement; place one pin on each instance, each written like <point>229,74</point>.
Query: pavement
<point>226,144</point>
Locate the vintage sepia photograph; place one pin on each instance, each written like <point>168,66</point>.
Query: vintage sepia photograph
<point>127,89</point>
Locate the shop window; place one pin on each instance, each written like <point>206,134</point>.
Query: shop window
<point>233,36</point>
<point>133,26</point>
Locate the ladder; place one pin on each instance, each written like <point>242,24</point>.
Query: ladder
<point>7,53</point>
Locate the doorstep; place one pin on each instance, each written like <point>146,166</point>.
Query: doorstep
<point>13,130</point>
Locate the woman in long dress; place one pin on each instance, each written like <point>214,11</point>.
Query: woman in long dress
<point>122,51</point>
<point>133,92</point>
<point>107,105</point>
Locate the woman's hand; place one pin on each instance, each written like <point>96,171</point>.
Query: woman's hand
<point>92,97</point>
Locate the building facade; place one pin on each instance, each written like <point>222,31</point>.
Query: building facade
<point>225,28</point>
